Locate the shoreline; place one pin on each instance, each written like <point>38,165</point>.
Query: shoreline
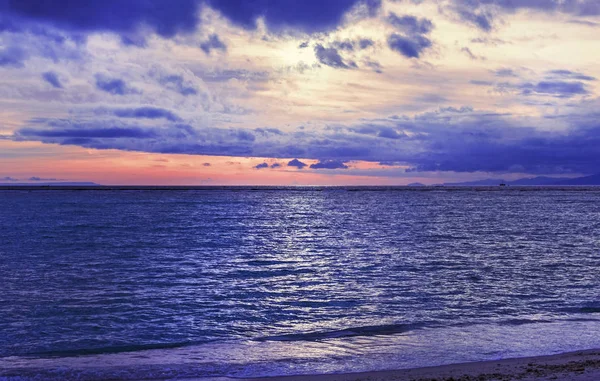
<point>582,365</point>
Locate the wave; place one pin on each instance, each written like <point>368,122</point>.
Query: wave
<point>369,330</point>
<point>590,308</point>
<point>518,321</point>
<point>108,350</point>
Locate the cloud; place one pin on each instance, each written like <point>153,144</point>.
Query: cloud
<point>505,73</point>
<point>296,163</point>
<point>134,40</point>
<point>331,57</point>
<point>12,56</point>
<point>79,133</point>
<point>132,18</point>
<point>268,131</point>
<point>570,75</point>
<point>52,78</point>
<point>409,47</point>
<point>449,139</point>
<point>385,132</point>
<point>410,25</point>
<point>8,178</point>
<point>489,41</point>
<point>412,41</point>
<point>470,54</point>
<point>344,45</point>
<point>224,75</point>
<point>176,83</point>
<point>261,166</point>
<point>329,164</point>
<point>374,65</point>
<point>35,178</point>
<point>559,89</point>
<point>213,43</point>
<point>206,164</point>
<point>482,13</point>
<point>275,165</point>
<point>578,7</point>
<point>364,43</point>
<point>114,86</point>
<point>146,112</point>
<point>480,19</point>
<point>123,17</point>
<point>308,15</point>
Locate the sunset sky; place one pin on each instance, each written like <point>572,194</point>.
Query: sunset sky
<point>207,92</point>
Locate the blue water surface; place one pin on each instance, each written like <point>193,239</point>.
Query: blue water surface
<point>245,282</point>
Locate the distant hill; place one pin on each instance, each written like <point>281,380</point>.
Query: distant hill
<point>533,181</point>
<point>56,184</point>
<point>478,183</point>
<point>586,180</point>
<point>415,185</point>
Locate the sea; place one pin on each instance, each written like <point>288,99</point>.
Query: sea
<point>174,283</point>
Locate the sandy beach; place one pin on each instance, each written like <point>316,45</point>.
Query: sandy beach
<point>577,366</point>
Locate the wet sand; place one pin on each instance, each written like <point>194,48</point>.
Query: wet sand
<point>576,366</point>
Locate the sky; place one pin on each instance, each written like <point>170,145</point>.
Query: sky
<point>298,92</point>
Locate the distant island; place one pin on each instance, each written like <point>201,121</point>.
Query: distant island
<point>533,181</point>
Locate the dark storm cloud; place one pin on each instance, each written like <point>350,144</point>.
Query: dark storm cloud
<point>107,15</point>
<point>450,139</point>
<point>329,164</point>
<point>307,15</point>
<point>167,19</point>
<point>410,47</point>
<point>411,41</point>
<point>80,132</point>
<point>146,113</point>
<point>410,24</point>
<point>112,134</point>
<point>52,78</point>
<point>213,43</point>
<point>114,86</point>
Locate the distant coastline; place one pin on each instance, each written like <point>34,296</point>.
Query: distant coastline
<point>308,188</point>
<point>540,181</point>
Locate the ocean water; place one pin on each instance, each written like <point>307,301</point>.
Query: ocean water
<point>240,282</point>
